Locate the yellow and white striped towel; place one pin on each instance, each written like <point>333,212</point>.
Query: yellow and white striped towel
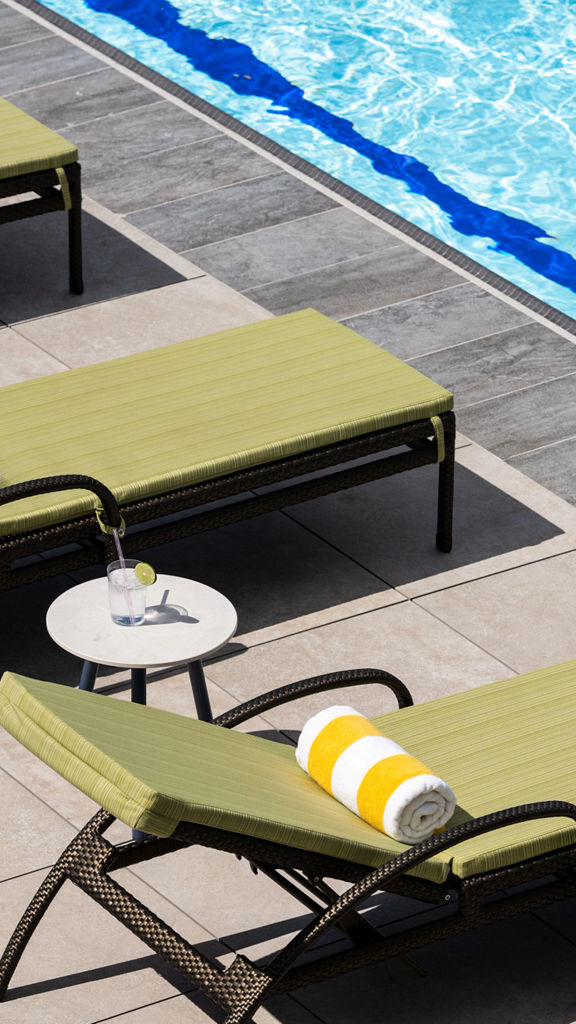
<point>373,776</point>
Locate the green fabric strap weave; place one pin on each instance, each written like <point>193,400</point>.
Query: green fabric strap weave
<point>439,437</point>
<point>179,414</point>
<point>501,745</point>
<point>27,146</point>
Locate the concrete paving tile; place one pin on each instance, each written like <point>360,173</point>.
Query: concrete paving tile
<point>21,359</point>
<point>135,132</point>
<point>184,171</point>
<point>514,971</point>
<point>296,247</point>
<point>33,835</point>
<point>198,1009</point>
<point>140,322</point>
<point>505,362</point>
<point>274,572</point>
<point>34,267</point>
<point>41,60</point>
<point>501,519</point>
<point>523,617</point>
<point>234,210</point>
<point>248,913</point>
<point>61,803</point>
<point>517,423</point>
<point>64,106</point>
<point>351,287</point>
<point>82,966</point>
<point>437,321</point>
<point>183,266</point>
<point>431,658</point>
<point>17,28</point>
<point>553,466</point>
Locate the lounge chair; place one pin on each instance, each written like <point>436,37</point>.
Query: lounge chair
<point>172,429</point>
<point>505,748</point>
<point>33,158</point>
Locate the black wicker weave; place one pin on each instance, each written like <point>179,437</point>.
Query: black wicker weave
<point>49,198</point>
<point>242,987</point>
<point>92,547</point>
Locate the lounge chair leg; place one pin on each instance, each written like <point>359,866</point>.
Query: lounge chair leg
<point>446,486</point>
<point>27,924</point>
<point>43,898</point>
<point>75,232</point>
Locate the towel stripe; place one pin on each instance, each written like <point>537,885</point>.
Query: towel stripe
<point>332,740</point>
<point>373,776</point>
<point>380,782</point>
<point>355,762</point>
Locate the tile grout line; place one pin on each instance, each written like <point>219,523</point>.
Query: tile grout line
<point>542,447</point>
<point>470,341</point>
<point>517,391</point>
<point>495,572</point>
<point>194,195</point>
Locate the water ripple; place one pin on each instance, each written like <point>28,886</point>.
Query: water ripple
<point>466,112</point>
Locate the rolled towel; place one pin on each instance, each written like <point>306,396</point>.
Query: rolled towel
<point>373,776</point>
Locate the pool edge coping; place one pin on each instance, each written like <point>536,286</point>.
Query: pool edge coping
<point>432,245</point>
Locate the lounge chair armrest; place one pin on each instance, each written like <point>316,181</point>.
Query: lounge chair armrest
<point>316,684</point>
<point>70,482</point>
<point>381,877</point>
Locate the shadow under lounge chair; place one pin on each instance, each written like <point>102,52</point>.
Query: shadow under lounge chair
<point>34,158</point>
<point>232,791</point>
<point>174,428</point>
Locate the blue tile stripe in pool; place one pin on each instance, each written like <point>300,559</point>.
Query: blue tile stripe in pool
<point>233,65</point>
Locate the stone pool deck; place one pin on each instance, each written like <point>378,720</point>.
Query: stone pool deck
<point>190,230</point>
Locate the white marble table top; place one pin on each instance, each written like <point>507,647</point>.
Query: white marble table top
<point>184,621</point>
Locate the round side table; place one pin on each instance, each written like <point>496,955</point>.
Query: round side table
<point>185,621</point>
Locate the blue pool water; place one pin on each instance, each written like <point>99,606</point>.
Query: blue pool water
<point>458,115</point>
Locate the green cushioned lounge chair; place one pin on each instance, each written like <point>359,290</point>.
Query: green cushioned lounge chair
<point>507,749</point>
<point>33,158</point>
<point>180,426</point>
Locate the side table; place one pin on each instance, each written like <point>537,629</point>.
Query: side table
<point>185,621</point>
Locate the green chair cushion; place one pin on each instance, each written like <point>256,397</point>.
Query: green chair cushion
<point>26,145</point>
<point>499,745</point>
<point>153,422</point>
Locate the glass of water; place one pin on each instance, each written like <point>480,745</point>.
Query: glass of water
<point>126,593</point>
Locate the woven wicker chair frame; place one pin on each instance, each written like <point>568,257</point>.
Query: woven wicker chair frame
<point>94,547</point>
<point>44,184</point>
<point>241,988</point>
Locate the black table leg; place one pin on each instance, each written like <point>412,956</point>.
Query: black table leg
<point>138,676</point>
<point>88,676</point>
<point>138,685</point>
<point>201,698</point>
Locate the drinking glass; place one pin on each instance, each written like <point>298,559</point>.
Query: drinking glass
<point>126,594</point>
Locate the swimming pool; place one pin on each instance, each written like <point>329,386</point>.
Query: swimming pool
<point>457,115</point>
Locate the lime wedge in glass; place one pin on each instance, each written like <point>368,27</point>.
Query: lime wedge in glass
<point>145,573</point>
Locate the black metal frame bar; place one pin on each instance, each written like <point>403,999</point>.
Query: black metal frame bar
<point>420,449</point>
<point>45,185</point>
